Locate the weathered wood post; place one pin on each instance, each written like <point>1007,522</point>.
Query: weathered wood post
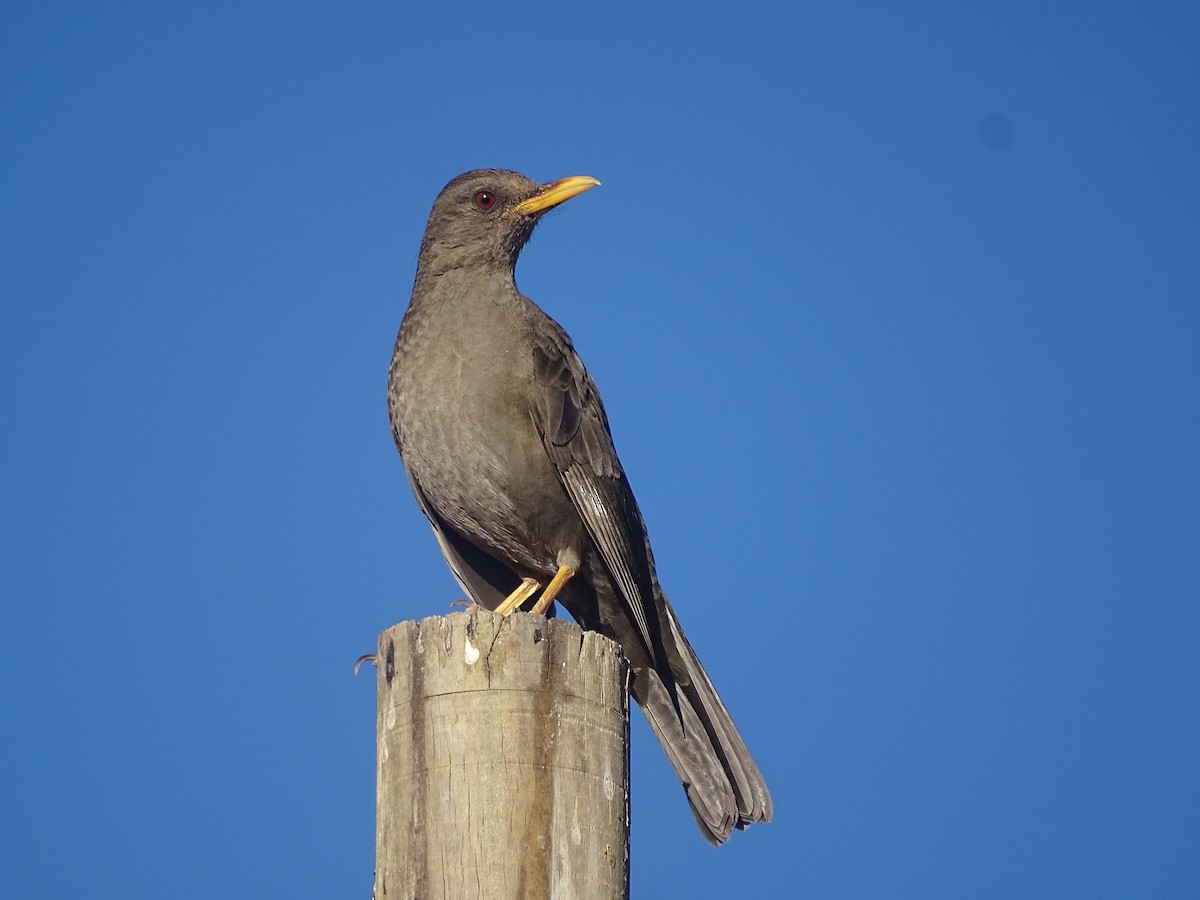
<point>503,761</point>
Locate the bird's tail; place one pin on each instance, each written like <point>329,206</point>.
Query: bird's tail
<point>723,785</point>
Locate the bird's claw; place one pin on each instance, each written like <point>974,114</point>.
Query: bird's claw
<point>510,604</point>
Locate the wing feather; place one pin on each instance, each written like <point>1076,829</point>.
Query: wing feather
<point>570,418</point>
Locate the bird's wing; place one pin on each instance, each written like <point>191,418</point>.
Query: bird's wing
<point>485,579</point>
<point>570,418</point>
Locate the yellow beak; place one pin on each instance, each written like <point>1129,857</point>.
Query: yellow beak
<point>556,192</point>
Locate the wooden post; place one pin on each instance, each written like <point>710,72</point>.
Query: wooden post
<point>503,761</point>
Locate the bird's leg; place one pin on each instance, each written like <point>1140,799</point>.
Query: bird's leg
<point>513,601</point>
<point>561,577</point>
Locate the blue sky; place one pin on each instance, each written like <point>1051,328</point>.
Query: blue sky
<point>896,316</point>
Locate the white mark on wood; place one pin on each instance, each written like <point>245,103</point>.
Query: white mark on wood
<point>391,718</point>
<point>609,784</point>
<point>470,652</point>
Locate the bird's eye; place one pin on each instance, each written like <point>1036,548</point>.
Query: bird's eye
<point>485,200</point>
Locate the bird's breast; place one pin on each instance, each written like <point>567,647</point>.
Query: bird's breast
<point>459,397</point>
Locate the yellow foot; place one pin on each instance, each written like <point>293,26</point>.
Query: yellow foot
<point>513,601</point>
<point>561,577</point>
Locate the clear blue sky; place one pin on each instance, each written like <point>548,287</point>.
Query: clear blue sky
<point>897,318</point>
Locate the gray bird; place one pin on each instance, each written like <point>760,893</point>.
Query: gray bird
<point>507,447</point>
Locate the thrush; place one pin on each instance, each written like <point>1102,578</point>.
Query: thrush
<point>508,450</point>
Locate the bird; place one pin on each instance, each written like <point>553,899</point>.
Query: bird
<point>507,448</point>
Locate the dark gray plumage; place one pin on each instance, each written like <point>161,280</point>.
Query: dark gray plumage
<point>508,450</point>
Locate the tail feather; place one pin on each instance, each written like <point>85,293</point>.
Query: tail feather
<point>690,752</point>
<point>724,786</point>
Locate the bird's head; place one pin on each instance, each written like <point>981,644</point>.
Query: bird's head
<point>483,218</point>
